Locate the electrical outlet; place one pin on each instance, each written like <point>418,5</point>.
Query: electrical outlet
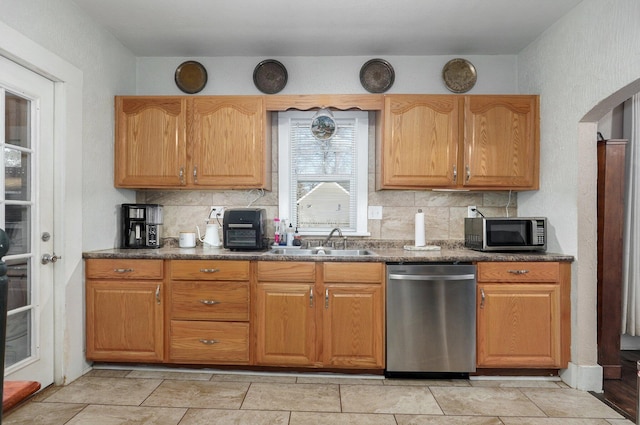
<point>471,211</point>
<point>374,212</point>
<point>216,212</point>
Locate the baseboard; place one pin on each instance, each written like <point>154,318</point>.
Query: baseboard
<point>583,377</point>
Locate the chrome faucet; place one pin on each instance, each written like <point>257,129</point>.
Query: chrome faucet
<point>339,230</point>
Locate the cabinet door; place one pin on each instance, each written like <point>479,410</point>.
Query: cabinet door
<point>420,142</point>
<point>228,142</point>
<point>501,142</point>
<point>285,324</point>
<point>519,325</point>
<point>353,326</point>
<point>124,321</point>
<point>150,143</point>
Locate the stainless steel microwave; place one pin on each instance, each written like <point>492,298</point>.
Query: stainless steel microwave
<point>506,233</point>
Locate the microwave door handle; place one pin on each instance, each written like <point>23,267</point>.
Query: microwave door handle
<point>534,228</point>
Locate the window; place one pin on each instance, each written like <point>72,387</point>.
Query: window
<point>323,182</point>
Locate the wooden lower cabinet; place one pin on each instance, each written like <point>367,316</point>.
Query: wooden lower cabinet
<point>523,315</point>
<point>320,314</point>
<point>124,308</point>
<point>208,312</point>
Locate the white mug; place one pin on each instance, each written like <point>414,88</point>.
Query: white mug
<point>187,240</point>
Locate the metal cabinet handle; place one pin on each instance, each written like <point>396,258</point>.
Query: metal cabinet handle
<point>158,294</point>
<point>326,299</point>
<point>209,270</point>
<point>209,341</point>
<point>311,298</point>
<point>209,302</point>
<point>518,271</point>
<point>181,174</point>
<point>195,174</point>
<point>455,173</point>
<point>468,174</point>
<point>122,270</point>
<point>481,297</point>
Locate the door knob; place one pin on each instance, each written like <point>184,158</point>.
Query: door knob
<point>48,258</point>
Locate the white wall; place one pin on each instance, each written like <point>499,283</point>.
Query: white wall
<point>54,37</point>
<point>582,67</point>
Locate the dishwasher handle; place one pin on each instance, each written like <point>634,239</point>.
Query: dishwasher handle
<point>432,277</point>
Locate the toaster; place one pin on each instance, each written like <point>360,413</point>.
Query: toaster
<point>244,229</point>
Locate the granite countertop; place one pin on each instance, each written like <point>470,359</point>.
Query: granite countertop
<point>387,252</point>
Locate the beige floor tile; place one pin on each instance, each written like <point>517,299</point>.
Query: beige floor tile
<point>164,374</point>
<point>128,415</point>
<point>484,401</point>
<point>313,418</point>
<point>239,377</point>
<point>514,383</point>
<point>202,394</point>
<point>122,391</point>
<point>107,373</point>
<point>45,393</point>
<point>388,399</point>
<point>553,421</point>
<point>299,397</point>
<point>570,403</point>
<point>428,382</point>
<point>620,422</point>
<point>446,420</point>
<point>34,413</point>
<point>235,417</point>
<point>339,380</point>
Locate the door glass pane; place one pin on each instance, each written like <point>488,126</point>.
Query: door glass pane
<point>17,226</point>
<point>19,283</point>
<point>17,174</point>
<point>18,345</point>
<point>17,123</point>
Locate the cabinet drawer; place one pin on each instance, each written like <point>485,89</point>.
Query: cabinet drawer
<point>209,342</point>
<point>286,271</point>
<point>353,272</point>
<point>228,301</point>
<point>518,272</point>
<point>123,269</point>
<point>209,270</point>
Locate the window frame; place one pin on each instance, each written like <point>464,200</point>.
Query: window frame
<point>285,178</point>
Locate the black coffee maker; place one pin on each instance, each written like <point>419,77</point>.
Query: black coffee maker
<point>141,225</point>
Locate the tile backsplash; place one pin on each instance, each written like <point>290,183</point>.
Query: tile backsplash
<point>444,210</point>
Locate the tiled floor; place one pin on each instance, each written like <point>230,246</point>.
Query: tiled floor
<point>161,397</point>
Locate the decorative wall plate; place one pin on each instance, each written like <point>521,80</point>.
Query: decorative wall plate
<point>191,77</point>
<point>377,76</point>
<point>270,76</point>
<point>459,75</point>
<point>323,125</point>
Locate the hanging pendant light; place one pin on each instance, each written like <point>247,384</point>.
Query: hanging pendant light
<point>323,125</point>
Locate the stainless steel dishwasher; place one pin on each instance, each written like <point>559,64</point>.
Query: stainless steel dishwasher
<point>431,319</point>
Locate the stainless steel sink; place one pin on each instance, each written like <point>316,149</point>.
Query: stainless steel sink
<point>329,252</point>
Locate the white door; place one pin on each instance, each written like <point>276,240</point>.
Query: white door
<point>26,214</point>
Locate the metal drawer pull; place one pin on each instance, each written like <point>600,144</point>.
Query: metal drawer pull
<point>181,175</point>
<point>209,341</point>
<point>209,270</point>
<point>455,173</point>
<point>326,299</point>
<point>158,294</point>
<point>518,271</point>
<point>468,174</point>
<point>209,302</point>
<point>482,297</point>
<point>311,298</point>
<point>122,270</point>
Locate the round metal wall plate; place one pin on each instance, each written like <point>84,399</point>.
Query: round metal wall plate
<point>191,77</point>
<point>270,76</point>
<point>377,76</point>
<point>459,75</point>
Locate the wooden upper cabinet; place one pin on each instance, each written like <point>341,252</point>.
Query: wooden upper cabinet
<point>150,145</point>
<point>501,142</point>
<point>181,142</point>
<point>480,142</point>
<point>228,142</point>
<point>420,147</point>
